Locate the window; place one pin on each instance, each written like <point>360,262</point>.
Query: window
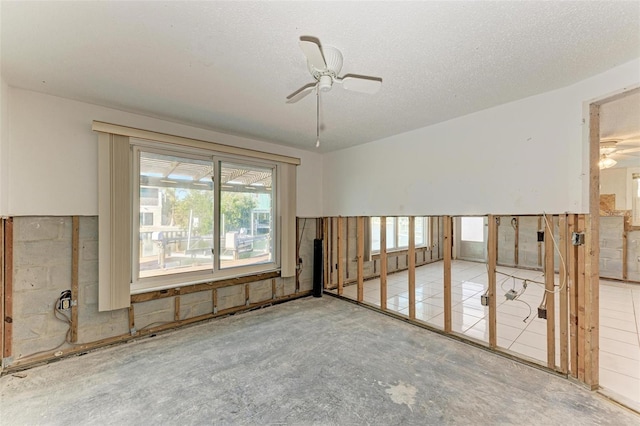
<point>197,222</point>
<point>398,232</point>
<point>176,211</point>
<point>472,229</point>
<point>246,212</point>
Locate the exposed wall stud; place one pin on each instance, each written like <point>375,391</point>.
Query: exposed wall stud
<point>176,308</point>
<point>411,264</point>
<point>383,263</point>
<point>492,262</point>
<point>8,288</point>
<point>448,247</point>
<point>572,270</point>
<point>564,281</point>
<point>549,280</point>
<point>75,258</point>
<point>360,256</point>
<point>340,260</point>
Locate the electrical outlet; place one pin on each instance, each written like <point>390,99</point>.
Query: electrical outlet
<point>542,313</point>
<point>540,236</point>
<point>511,294</point>
<point>64,301</point>
<point>484,300</point>
<point>577,238</point>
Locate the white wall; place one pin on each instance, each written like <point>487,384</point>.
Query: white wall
<point>523,157</point>
<point>51,155</point>
<point>4,130</point>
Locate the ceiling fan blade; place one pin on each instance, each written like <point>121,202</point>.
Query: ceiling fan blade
<point>361,83</point>
<point>311,48</point>
<point>301,93</point>
<point>626,151</point>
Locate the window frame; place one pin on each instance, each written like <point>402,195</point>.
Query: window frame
<point>115,225</point>
<point>157,282</point>
<point>393,245</point>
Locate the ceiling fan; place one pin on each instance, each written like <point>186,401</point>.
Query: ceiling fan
<point>616,148</point>
<point>325,63</point>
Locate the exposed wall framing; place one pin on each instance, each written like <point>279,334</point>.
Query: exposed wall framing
<point>73,241</point>
<point>569,291</point>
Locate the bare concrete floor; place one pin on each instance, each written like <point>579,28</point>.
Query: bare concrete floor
<point>311,361</point>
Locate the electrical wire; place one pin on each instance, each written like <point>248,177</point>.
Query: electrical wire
<point>304,225</point>
<point>555,246</point>
<point>64,318</point>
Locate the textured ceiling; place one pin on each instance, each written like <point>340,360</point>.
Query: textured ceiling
<point>229,66</point>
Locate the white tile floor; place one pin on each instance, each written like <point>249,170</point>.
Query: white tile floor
<point>519,328</point>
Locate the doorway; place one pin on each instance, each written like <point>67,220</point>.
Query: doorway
<point>617,146</point>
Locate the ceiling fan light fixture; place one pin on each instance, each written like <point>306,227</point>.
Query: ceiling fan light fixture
<point>606,162</point>
<point>324,83</point>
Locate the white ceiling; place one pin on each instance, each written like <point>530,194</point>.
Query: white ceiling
<point>229,66</point>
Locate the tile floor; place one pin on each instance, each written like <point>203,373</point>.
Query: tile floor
<point>519,328</point>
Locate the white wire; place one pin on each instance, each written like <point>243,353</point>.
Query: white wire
<point>564,265</point>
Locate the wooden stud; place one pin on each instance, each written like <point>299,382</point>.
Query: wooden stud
<point>346,248</point>
<point>564,282</point>
<point>572,269</point>
<point>8,288</point>
<point>549,281</point>
<point>592,303</point>
<point>383,263</point>
<point>247,294</point>
<point>516,242</point>
<point>360,256</point>
<point>448,247</point>
<point>592,243</point>
<point>298,242</point>
<point>214,300</point>
<point>581,301</point>
<point>492,262</point>
<point>625,244</point>
<point>75,262</point>
<point>327,255</point>
<point>411,264</point>
<point>340,263</point>
<point>176,308</point>
<point>440,218</point>
<point>132,320</point>
<point>2,225</point>
<point>334,254</point>
<point>273,289</point>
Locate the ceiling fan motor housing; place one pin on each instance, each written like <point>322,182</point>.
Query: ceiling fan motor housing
<point>333,59</point>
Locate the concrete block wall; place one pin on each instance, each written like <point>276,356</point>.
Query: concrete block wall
<point>611,232</point>
<point>42,249</point>
<point>528,242</point>
<point>506,241</point>
<point>41,271</point>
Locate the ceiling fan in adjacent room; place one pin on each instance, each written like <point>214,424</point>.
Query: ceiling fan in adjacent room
<point>612,150</point>
<point>324,64</point>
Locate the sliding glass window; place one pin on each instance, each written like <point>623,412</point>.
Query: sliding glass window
<point>199,217</point>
